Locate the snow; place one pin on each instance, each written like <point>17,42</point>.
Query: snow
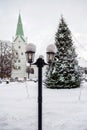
<point>82,62</point>
<point>63,109</point>
<point>30,47</point>
<point>51,48</point>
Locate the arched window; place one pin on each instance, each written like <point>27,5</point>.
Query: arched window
<point>16,53</point>
<point>19,47</point>
<point>21,53</point>
<point>19,67</point>
<point>19,61</point>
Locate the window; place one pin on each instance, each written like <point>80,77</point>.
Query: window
<point>16,78</point>
<point>21,53</point>
<point>19,67</point>
<point>16,53</point>
<point>25,78</point>
<point>19,41</point>
<point>19,61</point>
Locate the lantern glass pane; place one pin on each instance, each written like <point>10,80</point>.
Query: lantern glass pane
<point>31,57</point>
<point>50,57</point>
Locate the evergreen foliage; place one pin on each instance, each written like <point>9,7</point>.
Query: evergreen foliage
<point>64,71</point>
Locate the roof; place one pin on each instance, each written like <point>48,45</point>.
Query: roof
<point>19,30</point>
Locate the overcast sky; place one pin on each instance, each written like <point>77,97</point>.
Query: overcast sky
<point>40,20</point>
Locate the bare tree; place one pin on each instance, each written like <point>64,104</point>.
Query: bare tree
<point>5,59</point>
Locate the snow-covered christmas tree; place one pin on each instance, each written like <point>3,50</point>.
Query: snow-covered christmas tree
<point>64,72</point>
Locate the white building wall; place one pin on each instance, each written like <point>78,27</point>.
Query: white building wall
<point>20,61</point>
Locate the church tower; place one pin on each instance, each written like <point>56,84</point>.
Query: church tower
<point>19,58</point>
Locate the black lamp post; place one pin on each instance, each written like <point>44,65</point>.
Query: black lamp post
<point>28,70</point>
<point>30,51</point>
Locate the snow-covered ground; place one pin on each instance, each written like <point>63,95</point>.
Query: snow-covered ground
<point>63,109</point>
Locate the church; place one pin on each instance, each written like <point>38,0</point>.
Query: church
<point>19,63</point>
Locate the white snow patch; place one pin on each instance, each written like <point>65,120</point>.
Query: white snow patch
<point>63,109</point>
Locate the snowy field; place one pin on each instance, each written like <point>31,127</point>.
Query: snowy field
<point>64,109</point>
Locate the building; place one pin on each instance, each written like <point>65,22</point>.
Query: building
<point>19,58</point>
<point>19,63</point>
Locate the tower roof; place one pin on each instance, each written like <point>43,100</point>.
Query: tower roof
<point>19,31</point>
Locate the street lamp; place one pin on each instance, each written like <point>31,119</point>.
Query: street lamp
<point>50,51</point>
<point>30,51</point>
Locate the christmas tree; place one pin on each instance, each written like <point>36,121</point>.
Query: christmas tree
<point>64,71</point>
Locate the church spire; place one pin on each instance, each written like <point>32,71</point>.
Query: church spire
<point>19,31</point>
